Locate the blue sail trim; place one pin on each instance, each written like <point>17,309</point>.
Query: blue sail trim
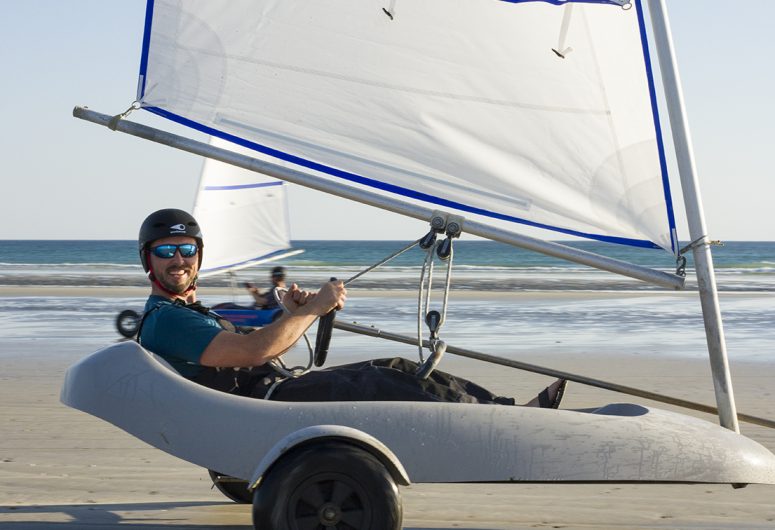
<point>398,190</point>
<point>658,129</point>
<point>247,261</point>
<point>563,2</point>
<point>145,49</point>
<point>244,186</point>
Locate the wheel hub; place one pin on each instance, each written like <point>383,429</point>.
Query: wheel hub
<point>330,514</point>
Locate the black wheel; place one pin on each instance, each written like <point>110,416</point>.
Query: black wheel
<point>331,485</point>
<point>234,488</point>
<point>127,323</point>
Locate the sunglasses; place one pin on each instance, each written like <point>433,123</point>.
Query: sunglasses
<point>187,250</point>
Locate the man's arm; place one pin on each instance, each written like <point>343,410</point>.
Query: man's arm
<point>262,345</point>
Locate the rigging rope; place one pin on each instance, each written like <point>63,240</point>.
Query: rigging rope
<point>422,307</point>
<point>380,263</point>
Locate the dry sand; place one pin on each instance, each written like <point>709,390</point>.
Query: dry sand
<point>60,468</point>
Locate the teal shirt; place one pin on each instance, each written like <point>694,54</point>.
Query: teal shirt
<point>177,334</point>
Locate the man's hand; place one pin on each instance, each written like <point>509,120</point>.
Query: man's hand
<point>332,295</point>
<point>295,298</point>
<point>266,343</point>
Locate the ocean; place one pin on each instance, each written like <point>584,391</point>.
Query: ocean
<point>477,265</point>
<point>558,307</point>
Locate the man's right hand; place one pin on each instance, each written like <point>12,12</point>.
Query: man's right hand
<point>332,295</point>
<point>295,298</point>
<point>266,343</point>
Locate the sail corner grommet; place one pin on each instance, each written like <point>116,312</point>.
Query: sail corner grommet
<point>113,123</point>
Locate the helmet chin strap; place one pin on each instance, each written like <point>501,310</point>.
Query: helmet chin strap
<point>151,276</point>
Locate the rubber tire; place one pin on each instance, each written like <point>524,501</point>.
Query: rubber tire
<point>237,491</point>
<point>294,492</point>
<point>124,329</point>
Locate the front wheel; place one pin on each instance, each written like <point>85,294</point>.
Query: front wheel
<point>328,485</point>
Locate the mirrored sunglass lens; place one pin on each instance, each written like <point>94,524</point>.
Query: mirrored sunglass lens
<point>164,251</point>
<point>187,250</point>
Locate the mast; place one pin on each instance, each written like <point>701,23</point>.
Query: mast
<point>703,260</point>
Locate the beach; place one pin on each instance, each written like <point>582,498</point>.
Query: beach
<point>61,468</point>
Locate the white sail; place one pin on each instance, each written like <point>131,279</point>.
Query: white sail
<point>243,215</point>
<point>536,112</point>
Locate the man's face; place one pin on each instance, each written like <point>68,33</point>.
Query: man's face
<point>177,272</point>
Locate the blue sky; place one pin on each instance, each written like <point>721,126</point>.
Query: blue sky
<point>66,179</point>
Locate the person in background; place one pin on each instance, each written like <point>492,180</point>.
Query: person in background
<point>267,300</point>
<point>207,350</point>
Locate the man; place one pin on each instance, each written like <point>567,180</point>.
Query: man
<point>195,342</point>
<point>266,300</point>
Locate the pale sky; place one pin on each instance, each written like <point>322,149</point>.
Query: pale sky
<point>68,179</point>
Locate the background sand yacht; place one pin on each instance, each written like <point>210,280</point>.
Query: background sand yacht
<point>245,214</point>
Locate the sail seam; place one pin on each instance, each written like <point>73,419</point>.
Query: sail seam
<point>243,186</point>
<point>518,202</point>
<point>407,89</point>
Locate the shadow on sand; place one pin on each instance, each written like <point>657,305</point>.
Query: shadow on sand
<point>130,516</point>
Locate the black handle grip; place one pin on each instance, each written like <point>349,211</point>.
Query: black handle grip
<point>323,337</point>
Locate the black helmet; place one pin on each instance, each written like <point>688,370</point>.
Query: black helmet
<point>166,223</point>
<point>278,272</point>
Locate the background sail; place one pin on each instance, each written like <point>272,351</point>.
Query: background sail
<point>244,216</point>
<point>529,112</point>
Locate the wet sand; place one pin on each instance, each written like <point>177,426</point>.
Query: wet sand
<point>61,468</point>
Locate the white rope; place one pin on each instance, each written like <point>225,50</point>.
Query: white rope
<point>447,287</point>
<point>423,308</point>
<point>427,264</point>
<point>277,293</point>
<point>274,387</point>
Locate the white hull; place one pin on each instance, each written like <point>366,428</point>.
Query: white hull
<point>419,442</point>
